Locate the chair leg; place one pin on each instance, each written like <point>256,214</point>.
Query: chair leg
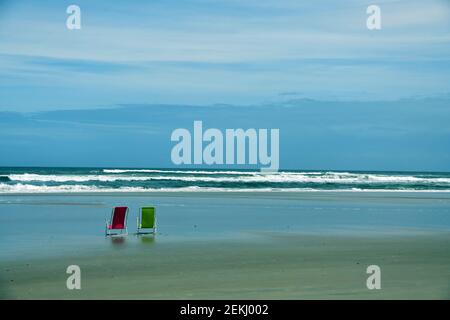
<point>137,224</point>
<point>106,228</point>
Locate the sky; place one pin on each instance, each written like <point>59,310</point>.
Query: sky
<point>275,56</point>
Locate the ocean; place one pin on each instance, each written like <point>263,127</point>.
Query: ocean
<point>257,240</point>
<point>72,180</point>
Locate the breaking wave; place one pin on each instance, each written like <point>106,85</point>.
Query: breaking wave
<point>33,189</point>
<point>142,180</point>
<point>235,176</point>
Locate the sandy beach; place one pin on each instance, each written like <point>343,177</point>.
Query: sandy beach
<point>276,267</point>
<point>229,246</point>
<point>287,150</point>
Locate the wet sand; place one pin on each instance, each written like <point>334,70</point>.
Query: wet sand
<point>229,247</point>
<point>273,267</point>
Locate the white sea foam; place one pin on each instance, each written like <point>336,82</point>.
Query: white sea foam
<point>33,189</point>
<point>280,177</point>
<point>28,188</point>
<point>28,177</point>
<point>177,171</point>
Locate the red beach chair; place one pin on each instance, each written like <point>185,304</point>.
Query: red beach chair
<point>118,222</point>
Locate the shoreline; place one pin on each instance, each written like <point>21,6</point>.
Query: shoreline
<point>222,245</point>
<point>231,193</point>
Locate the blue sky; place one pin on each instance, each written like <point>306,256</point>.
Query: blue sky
<point>240,53</point>
<point>206,52</point>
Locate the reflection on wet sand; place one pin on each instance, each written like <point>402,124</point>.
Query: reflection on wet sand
<point>118,241</point>
<point>147,239</point>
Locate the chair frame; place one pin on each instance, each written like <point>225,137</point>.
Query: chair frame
<point>143,230</point>
<point>108,232</point>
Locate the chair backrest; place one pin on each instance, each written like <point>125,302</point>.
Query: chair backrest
<point>118,218</point>
<point>147,217</point>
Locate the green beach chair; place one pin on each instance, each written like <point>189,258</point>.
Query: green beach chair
<point>146,221</point>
